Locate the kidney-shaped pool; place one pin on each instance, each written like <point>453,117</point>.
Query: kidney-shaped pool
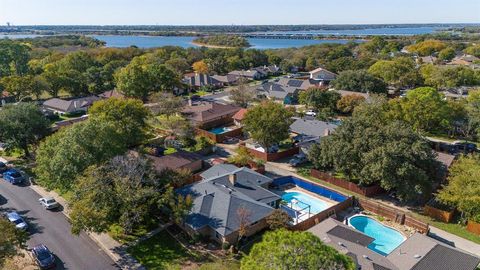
<point>386,238</point>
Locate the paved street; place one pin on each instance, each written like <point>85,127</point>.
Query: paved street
<point>52,229</point>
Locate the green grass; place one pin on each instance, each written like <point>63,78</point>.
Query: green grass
<point>169,151</point>
<point>117,232</point>
<point>221,265</point>
<point>161,251</point>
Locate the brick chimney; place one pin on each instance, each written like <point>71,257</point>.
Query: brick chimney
<point>232,178</point>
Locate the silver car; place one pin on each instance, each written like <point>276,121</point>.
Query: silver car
<point>16,219</point>
<point>49,203</point>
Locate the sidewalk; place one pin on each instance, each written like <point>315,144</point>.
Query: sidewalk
<point>116,251</point>
<point>454,240</point>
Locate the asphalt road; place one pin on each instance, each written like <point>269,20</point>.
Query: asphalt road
<point>53,229</point>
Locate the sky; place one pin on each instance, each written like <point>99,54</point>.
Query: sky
<point>226,12</point>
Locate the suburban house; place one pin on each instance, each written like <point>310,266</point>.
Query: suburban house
<point>465,60</point>
<point>322,75</point>
<point>284,89</point>
<point>251,74</point>
<point>209,114</point>
<point>71,106</point>
<point>352,93</point>
<point>228,79</point>
<point>178,161</point>
<point>427,60</point>
<point>226,199</point>
<point>308,132</point>
<point>196,80</point>
<point>239,116</point>
<point>111,94</point>
<point>418,252</point>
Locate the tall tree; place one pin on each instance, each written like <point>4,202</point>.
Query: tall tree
<point>359,81</point>
<point>14,57</point>
<point>348,103</point>
<point>166,104</point>
<point>200,67</point>
<point>242,95</point>
<point>268,123</point>
<point>322,100</point>
<point>22,125</point>
<point>463,187</point>
<point>400,72</point>
<point>11,240</point>
<point>285,250</point>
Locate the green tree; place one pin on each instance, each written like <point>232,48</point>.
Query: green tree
<point>129,115</point>
<point>283,249</point>
<point>22,125</point>
<point>64,155</point>
<point>23,86</point>
<point>371,148</point>
<point>423,108</point>
<point>473,50</point>
<point>14,58</point>
<point>125,191</point>
<point>446,54</point>
<point>242,95</point>
<point>427,47</point>
<point>359,81</point>
<point>11,240</point>
<point>399,72</point>
<point>322,100</point>
<point>268,123</point>
<point>463,187</point>
<point>166,104</point>
<point>447,77</point>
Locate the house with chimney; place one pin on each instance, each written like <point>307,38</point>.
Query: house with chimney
<point>70,106</point>
<point>226,199</point>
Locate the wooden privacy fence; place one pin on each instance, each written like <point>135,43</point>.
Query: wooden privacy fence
<point>314,220</point>
<point>219,138</point>
<point>272,156</point>
<point>365,191</point>
<point>438,214</point>
<point>473,227</point>
<point>394,214</point>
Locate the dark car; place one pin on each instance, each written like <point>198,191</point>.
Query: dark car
<point>3,167</point>
<point>13,176</point>
<point>43,257</point>
<point>465,147</point>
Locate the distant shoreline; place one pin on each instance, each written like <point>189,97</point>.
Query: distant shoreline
<point>216,46</point>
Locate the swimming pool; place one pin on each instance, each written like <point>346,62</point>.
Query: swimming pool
<point>219,130</point>
<point>386,238</point>
<point>299,200</point>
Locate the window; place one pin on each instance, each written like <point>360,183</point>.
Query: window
<point>217,235</point>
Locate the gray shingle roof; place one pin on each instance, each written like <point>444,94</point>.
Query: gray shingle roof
<point>71,105</point>
<point>314,128</point>
<point>446,258</point>
<point>351,235</point>
<point>216,201</point>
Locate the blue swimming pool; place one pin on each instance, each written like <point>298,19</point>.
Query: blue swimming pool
<point>301,201</point>
<point>386,238</point>
<point>219,130</point>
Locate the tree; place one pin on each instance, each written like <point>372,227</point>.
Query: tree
<point>423,108</point>
<point>371,148</point>
<point>64,155</point>
<point>244,218</point>
<point>447,77</point>
<point>22,125</point>
<point>241,158</point>
<point>463,188</point>
<point>166,104</point>
<point>242,95</point>
<point>279,219</point>
<point>399,72</point>
<point>268,123</point>
<point>347,103</point>
<point>446,54</point>
<point>427,47</point>
<point>200,67</point>
<point>23,86</point>
<point>322,100</point>
<point>473,50</point>
<point>283,249</point>
<point>359,81</point>
<point>129,115</point>
<point>14,58</point>
<point>125,191</point>
<point>11,240</point>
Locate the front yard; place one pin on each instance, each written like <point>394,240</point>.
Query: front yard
<point>162,251</point>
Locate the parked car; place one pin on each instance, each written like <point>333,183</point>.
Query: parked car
<point>311,113</point>
<point>231,140</point>
<point>13,176</point>
<point>43,257</point>
<point>16,219</point>
<point>3,167</point>
<point>49,203</point>
<point>465,147</point>
<point>297,160</point>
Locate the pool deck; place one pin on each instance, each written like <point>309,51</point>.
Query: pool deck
<point>305,214</point>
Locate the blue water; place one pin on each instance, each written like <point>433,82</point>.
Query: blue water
<point>312,187</point>
<point>219,130</point>
<point>303,200</point>
<point>406,31</point>
<point>386,239</point>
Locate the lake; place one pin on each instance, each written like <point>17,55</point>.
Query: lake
<point>122,41</point>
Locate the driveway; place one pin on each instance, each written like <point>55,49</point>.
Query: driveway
<point>53,229</point>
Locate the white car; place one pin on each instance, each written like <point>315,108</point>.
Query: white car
<point>49,203</point>
<point>311,113</point>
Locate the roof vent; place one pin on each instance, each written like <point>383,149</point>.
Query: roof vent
<point>232,178</point>
<point>416,256</point>
<point>341,244</point>
<point>366,257</point>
